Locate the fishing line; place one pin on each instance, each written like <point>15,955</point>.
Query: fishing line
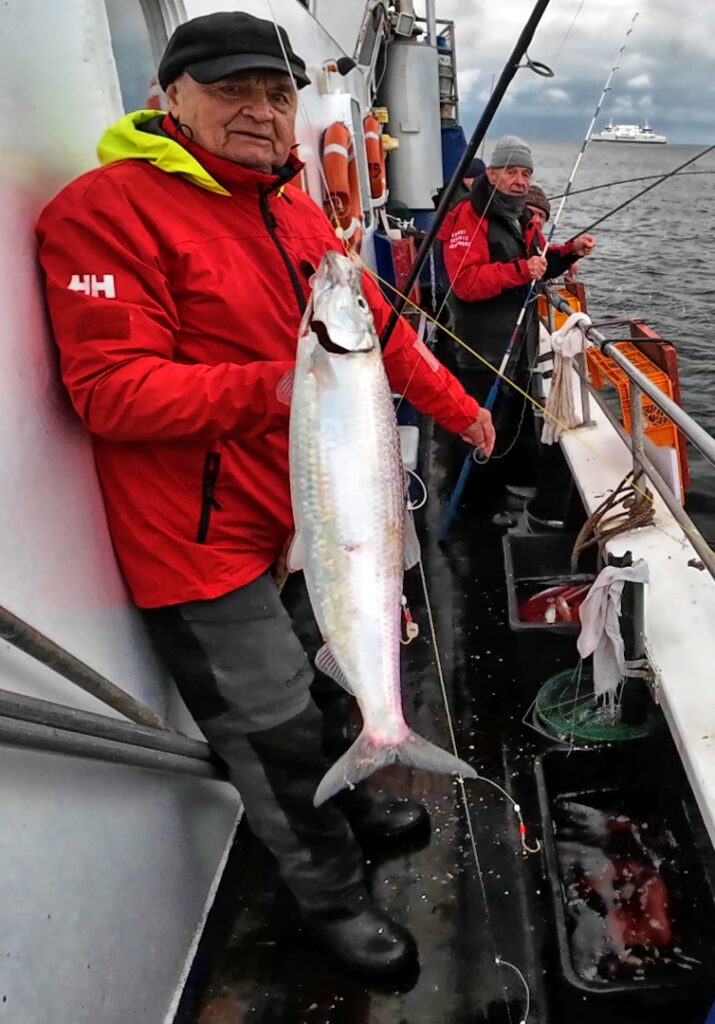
<point>623,181</point>
<point>465,802</point>
<point>306,119</point>
<point>660,180</point>
<point>568,33</point>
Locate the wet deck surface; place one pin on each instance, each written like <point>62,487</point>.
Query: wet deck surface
<point>256,965</point>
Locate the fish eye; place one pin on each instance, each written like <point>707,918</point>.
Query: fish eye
<point>362,304</point>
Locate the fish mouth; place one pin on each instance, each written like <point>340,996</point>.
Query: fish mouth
<point>321,332</point>
<point>326,342</point>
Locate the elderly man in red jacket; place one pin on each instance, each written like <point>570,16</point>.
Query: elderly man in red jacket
<point>177,274</point>
<point>493,249</point>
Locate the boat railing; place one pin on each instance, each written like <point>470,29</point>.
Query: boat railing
<point>640,384</point>
<point>35,724</point>
<point>144,741</point>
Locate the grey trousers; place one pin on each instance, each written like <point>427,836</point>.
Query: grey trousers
<point>240,664</point>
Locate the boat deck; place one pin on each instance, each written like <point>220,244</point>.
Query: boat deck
<point>256,965</point>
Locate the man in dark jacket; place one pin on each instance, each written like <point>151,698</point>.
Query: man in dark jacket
<point>177,275</point>
<point>492,253</point>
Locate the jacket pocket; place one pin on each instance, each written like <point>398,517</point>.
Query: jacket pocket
<point>212,464</point>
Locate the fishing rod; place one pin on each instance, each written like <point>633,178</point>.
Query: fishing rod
<point>660,180</point>
<point>622,181</point>
<point>476,455</point>
<point>510,69</point>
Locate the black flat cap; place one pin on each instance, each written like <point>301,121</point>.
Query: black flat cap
<point>217,45</point>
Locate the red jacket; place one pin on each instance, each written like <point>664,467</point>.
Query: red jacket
<point>473,274</point>
<point>175,283</point>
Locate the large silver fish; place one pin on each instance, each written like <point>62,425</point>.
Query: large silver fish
<point>348,493</point>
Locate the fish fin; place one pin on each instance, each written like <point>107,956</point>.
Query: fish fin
<point>322,368</point>
<point>325,662</point>
<point>297,553</point>
<point>284,387</point>
<point>364,757</point>
<point>413,552</point>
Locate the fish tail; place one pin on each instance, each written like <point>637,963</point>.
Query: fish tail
<point>365,756</point>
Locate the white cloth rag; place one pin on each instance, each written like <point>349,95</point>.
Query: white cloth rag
<point>567,342</point>
<point>600,631</point>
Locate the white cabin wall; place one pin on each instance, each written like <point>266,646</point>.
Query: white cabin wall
<point>341,20</point>
<point>58,567</point>
<point>108,871</point>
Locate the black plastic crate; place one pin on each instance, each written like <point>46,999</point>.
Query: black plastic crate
<point>641,787</point>
<point>533,562</point>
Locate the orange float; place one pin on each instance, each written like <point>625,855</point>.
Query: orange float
<point>343,184</point>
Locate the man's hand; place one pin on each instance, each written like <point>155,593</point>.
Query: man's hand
<point>537,266</point>
<point>584,245</point>
<point>481,432</point>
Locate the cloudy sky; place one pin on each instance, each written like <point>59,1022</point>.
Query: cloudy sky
<point>666,72</point>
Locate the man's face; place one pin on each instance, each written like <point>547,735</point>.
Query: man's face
<point>248,118</point>
<point>514,181</point>
<point>537,215</point>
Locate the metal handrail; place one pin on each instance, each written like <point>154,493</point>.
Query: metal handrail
<point>635,440</point>
<point>30,722</point>
<point>685,423</point>
<point>29,640</point>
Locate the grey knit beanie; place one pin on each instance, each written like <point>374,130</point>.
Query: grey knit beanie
<point>511,151</point>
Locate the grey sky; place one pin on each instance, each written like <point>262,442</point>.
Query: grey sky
<point>665,76</point>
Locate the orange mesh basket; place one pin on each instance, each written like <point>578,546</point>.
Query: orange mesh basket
<point>656,424</point>
<point>542,307</point>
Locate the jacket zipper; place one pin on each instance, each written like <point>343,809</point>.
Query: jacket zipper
<point>270,222</point>
<point>212,463</point>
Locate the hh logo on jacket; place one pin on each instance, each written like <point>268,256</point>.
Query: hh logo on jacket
<point>92,284</point>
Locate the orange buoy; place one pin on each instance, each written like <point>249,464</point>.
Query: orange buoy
<point>341,175</point>
<point>375,159</point>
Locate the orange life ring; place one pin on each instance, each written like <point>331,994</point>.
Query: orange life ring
<point>375,159</point>
<point>341,175</point>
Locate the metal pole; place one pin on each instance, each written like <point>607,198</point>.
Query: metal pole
<point>510,69</point>
<point>431,17</point>
<point>48,653</point>
<point>58,716</point>
<point>44,725</point>
<point>693,535</point>
<point>28,735</point>
<point>637,432</point>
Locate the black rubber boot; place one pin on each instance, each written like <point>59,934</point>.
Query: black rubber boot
<point>383,820</point>
<point>365,939</point>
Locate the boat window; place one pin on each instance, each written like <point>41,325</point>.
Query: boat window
<point>138,35</point>
<point>359,136</point>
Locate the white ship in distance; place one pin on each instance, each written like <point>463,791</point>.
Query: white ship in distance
<point>629,133</point>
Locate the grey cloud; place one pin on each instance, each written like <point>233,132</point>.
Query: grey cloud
<point>665,73</point>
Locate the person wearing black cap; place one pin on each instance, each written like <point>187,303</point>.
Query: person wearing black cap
<point>492,249</point>
<point>177,276</point>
